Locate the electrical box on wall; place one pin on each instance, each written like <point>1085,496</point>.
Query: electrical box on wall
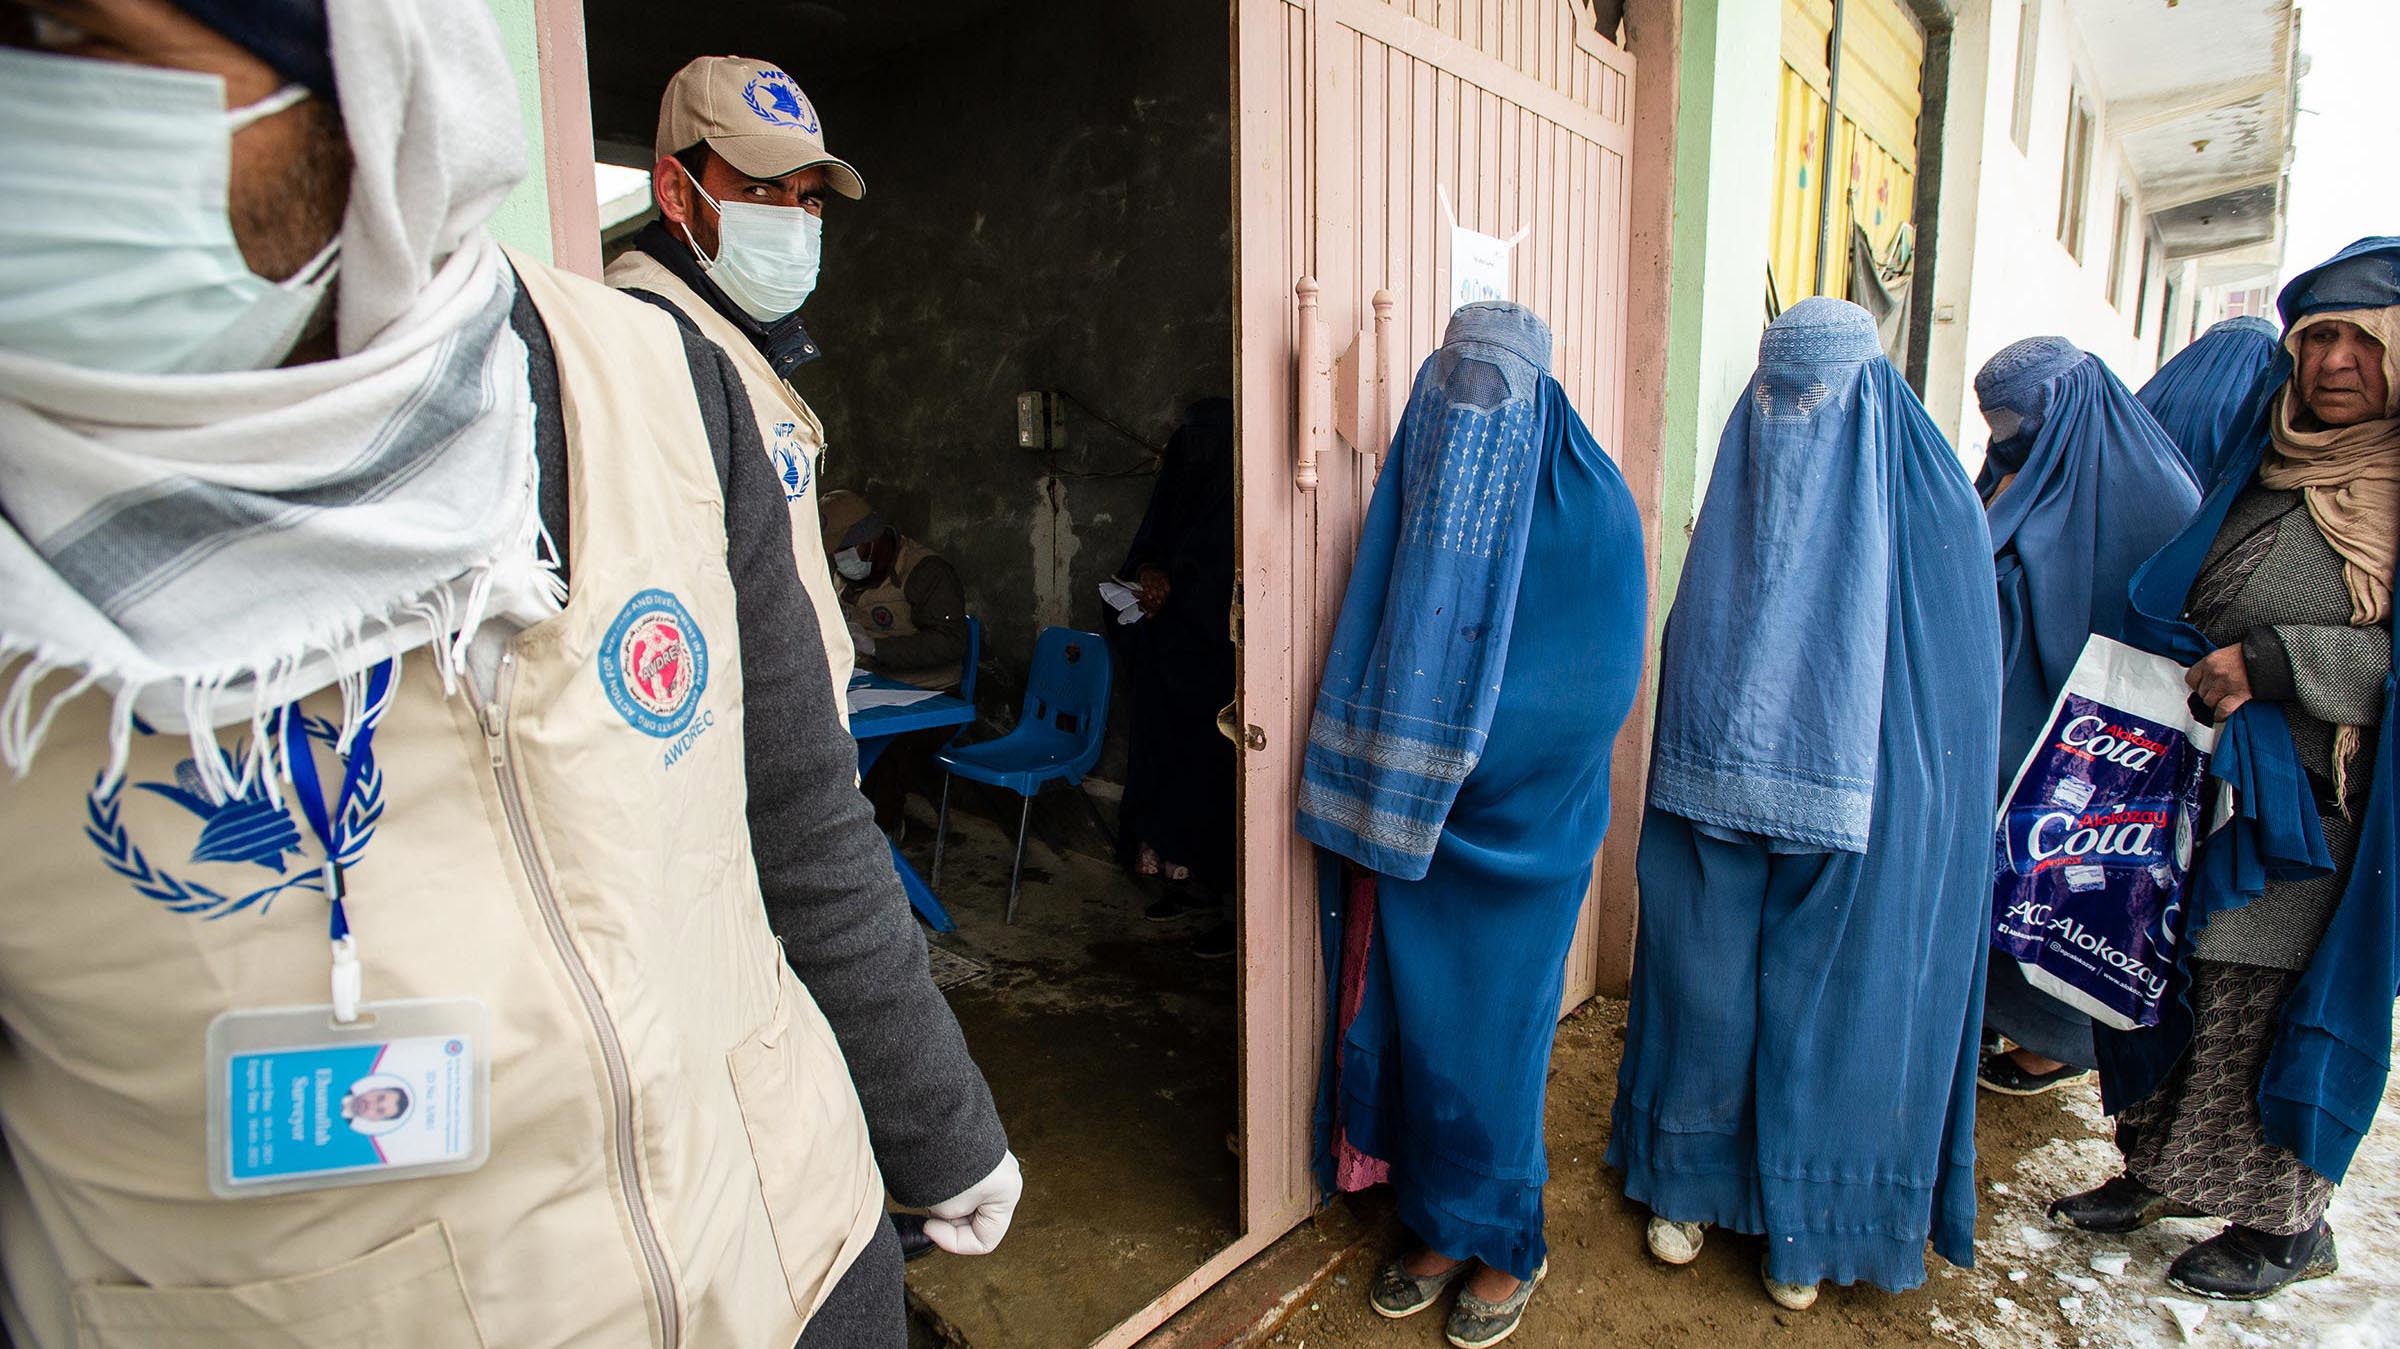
<point>1041,421</point>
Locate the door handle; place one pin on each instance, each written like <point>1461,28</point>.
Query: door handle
<point>1316,387</point>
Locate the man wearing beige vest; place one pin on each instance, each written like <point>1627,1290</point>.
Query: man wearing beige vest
<point>741,184</point>
<point>434,907</point>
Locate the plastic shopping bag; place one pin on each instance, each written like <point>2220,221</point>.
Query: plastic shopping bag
<point>2095,839</point>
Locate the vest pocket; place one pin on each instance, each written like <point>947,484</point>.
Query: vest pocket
<point>808,1138</point>
<point>401,1295</point>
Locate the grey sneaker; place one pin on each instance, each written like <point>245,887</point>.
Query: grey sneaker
<point>1475,1323</point>
<point>1398,1293</point>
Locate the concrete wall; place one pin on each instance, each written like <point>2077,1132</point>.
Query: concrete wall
<point>2004,274</point>
<point>1727,72</point>
<point>523,220</point>
<point>1049,207</point>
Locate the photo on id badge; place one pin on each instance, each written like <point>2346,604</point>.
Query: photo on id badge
<point>350,1112</point>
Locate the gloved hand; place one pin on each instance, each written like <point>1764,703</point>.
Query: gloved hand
<point>974,1222</point>
<point>862,640</point>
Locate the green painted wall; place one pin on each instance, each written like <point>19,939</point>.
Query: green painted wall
<point>523,220</point>
<point>1724,176</point>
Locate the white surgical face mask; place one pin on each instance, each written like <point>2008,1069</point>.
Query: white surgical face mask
<point>767,256</point>
<point>852,566</point>
<point>116,249</point>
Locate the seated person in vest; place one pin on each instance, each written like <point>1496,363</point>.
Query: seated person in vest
<point>395,633</point>
<point>741,183</point>
<point>906,608</point>
<point>908,620</point>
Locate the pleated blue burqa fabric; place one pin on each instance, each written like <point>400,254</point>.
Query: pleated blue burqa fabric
<point>2094,488</point>
<point>1446,976</point>
<point>2199,396</point>
<point>1808,976</point>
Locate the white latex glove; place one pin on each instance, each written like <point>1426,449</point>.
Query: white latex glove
<point>974,1222</point>
<point>862,640</point>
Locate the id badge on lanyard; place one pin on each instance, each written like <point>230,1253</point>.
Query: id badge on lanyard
<point>348,1092</point>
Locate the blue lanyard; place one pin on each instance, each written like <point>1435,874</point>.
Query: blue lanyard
<point>332,825</point>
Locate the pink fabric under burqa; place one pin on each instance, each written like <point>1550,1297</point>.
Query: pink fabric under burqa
<point>1353,1169</point>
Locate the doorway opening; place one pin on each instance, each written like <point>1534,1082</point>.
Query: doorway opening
<point>1048,213</point>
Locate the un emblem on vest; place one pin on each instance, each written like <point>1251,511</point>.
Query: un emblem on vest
<point>779,102</point>
<point>654,663</point>
<point>791,462</point>
<point>249,845</point>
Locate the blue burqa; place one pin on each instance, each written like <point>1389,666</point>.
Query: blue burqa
<point>1445,988</point>
<point>2325,1076</point>
<point>2199,397</point>
<point>1808,975</point>
<point>2096,489</point>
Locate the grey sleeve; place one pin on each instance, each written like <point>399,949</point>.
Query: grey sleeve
<point>823,868</point>
<point>2334,672</point>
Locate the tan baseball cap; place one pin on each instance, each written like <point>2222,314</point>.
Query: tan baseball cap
<point>754,115</point>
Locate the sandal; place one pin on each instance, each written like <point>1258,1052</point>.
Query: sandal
<point>2002,1073</point>
<point>1475,1323</point>
<point>1794,1297</point>
<point>1676,1243</point>
<point>1396,1293</point>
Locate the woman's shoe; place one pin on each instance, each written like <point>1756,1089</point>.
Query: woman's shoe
<point>1397,1293</point>
<point>1475,1323</point>
<point>2122,1205</point>
<point>1676,1243</point>
<point>2243,1264</point>
<point>1794,1297</point>
<point>2002,1073</point>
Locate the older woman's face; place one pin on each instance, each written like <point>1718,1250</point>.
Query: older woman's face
<point>2341,373</point>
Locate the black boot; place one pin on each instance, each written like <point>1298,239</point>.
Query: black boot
<point>2122,1205</point>
<point>2243,1264</point>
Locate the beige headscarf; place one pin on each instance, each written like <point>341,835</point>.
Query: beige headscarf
<point>2349,476</point>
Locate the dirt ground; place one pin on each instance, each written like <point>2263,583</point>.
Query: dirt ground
<point>2033,1285</point>
<point>1110,1052</point>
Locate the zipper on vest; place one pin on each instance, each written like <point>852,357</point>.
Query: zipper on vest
<point>612,1050</point>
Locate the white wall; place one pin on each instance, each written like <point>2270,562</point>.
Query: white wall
<point>2013,278</point>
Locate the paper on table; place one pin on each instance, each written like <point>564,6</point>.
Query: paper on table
<point>863,698</point>
<point>1123,598</point>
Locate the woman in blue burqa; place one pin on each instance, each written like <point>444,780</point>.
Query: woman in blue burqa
<point>2200,396</point>
<point>1815,861</point>
<point>1456,782</point>
<point>2247,1100</point>
<point>2080,487</point>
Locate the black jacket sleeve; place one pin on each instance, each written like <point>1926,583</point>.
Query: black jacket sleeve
<point>824,870</point>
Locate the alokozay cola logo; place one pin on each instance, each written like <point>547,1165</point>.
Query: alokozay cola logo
<point>2121,834</point>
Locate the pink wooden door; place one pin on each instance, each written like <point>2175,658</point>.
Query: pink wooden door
<point>1356,119</point>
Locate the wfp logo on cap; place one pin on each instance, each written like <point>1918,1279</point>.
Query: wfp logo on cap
<point>779,102</point>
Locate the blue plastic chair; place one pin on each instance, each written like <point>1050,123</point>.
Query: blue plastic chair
<point>966,673</point>
<point>1057,737</point>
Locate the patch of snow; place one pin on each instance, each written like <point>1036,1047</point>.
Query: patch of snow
<point>2357,1308</point>
<point>2187,1315</point>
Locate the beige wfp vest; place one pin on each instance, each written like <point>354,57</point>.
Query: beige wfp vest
<point>795,442</point>
<point>677,1154</point>
<point>882,610</point>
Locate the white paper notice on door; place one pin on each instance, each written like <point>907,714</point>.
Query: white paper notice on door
<point>1478,266</point>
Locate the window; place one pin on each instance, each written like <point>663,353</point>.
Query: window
<point>2029,32</point>
<point>2141,287</point>
<point>2075,179</point>
<point>2116,249</point>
